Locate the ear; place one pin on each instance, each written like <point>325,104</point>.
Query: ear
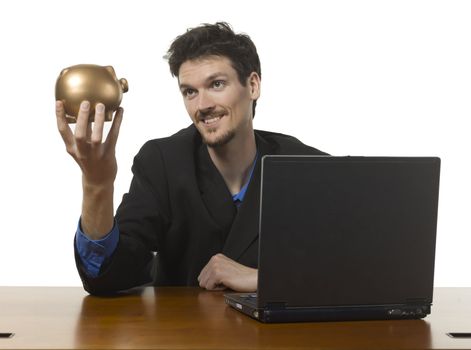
<point>254,85</point>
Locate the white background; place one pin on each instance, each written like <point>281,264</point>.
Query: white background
<point>347,77</point>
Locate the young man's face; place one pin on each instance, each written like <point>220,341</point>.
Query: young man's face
<point>218,104</point>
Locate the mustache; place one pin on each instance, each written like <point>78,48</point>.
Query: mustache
<point>210,113</point>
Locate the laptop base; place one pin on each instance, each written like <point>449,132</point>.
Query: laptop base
<point>279,314</point>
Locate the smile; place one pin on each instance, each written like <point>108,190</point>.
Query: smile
<point>211,120</point>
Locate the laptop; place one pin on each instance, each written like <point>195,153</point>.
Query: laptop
<point>344,238</point>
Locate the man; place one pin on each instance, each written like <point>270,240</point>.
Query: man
<point>194,197</point>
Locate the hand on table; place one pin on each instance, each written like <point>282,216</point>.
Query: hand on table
<point>222,272</point>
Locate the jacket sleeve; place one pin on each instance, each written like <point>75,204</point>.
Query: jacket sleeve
<point>143,218</point>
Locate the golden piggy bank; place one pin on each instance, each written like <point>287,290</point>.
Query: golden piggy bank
<point>91,83</point>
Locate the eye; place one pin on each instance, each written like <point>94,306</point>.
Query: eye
<point>188,93</point>
<point>219,84</point>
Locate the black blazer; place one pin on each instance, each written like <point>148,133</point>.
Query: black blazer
<point>179,206</point>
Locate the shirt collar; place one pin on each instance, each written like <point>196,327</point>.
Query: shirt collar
<point>240,196</point>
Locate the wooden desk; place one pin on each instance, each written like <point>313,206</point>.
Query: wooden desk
<point>191,318</point>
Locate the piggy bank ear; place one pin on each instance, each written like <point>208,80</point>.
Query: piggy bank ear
<point>111,70</point>
<point>65,70</point>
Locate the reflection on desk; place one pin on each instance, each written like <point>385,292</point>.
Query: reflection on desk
<point>192,318</point>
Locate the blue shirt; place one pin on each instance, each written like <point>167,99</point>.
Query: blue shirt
<point>94,252</point>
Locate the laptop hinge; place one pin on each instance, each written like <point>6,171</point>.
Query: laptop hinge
<point>416,301</point>
<point>276,305</point>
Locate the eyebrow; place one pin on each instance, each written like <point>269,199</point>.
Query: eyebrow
<point>207,80</point>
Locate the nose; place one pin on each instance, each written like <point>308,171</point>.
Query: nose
<point>205,102</point>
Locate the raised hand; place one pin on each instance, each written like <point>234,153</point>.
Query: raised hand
<point>97,160</point>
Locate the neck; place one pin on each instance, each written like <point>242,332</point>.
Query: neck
<point>234,160</point>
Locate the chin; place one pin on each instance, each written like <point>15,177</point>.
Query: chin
<point>212,139</point>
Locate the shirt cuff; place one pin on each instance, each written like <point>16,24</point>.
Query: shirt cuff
<point>94,252</point>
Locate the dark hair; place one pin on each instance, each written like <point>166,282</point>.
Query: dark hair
<point>216,40</point>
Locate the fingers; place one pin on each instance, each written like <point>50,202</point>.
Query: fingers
<point>82,120</point>
<point>211,277</point>
<point>112,137</point>
<point>211,282</point>
<point>204,276</point>
<point>97,132</point>
<point>84,133</point>
<point>82,127</point>
<point>86,141</point>
<point>63,126</point>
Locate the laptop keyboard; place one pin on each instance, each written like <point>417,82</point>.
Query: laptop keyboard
<point>250,299</point>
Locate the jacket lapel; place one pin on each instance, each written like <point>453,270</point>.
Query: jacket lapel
<point>214,192</point>
<point>244,230</point>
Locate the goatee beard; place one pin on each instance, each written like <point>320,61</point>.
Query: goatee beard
<point>220,141</point>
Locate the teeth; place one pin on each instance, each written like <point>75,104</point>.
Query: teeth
<point>212,120</point>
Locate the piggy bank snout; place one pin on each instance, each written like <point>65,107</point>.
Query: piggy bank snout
<point>124,84</point>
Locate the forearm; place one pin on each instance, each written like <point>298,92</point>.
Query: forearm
<point>97,210</point>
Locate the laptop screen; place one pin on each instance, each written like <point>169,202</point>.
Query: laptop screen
<point>347,230</point>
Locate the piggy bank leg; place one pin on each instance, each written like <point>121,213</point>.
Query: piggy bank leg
<point>109,116</point>
<point>71,119</point>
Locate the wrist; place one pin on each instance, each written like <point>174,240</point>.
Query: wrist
<point>97,190</point>
<point>97,210</point>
